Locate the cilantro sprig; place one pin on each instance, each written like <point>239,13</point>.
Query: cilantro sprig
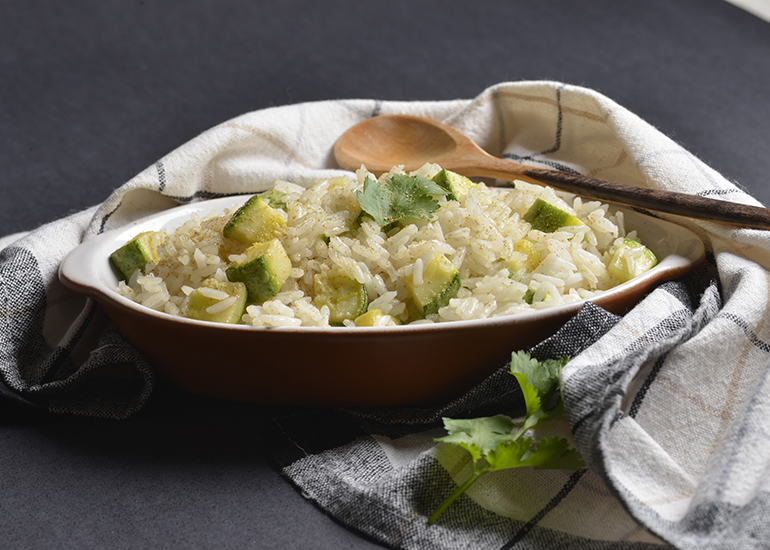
<point>497,442</point>
<point>399,197</point>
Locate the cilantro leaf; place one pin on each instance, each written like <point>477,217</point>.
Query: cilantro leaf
<point>539,383</point>
<point>543,375</point>
<point>478,436</point>
<point>510,455</point>
<point>490,440</point>
<point>399,197</point>
<point>553,453</point>
<point>547,454</point>
<point>374,201</point>
<point>531,396</point>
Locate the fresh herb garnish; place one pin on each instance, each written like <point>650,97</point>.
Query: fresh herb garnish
<point>399,197</point>
<point>492,441</point>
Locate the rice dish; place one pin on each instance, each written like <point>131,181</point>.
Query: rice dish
<point>482,233</point>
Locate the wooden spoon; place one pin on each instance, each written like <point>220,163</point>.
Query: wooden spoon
<point>381,142</point>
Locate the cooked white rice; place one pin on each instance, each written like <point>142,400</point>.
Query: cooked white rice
<point>476,233</point>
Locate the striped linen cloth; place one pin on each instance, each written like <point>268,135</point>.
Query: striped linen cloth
<point>669,405</point>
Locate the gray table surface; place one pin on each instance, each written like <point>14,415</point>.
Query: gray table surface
<point>92,92</point>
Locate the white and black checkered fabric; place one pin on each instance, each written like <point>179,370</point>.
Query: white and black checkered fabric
<point>669,405</point>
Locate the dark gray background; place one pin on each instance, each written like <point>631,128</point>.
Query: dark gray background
<point>92,92</point>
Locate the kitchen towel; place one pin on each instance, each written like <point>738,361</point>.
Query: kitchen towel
<point>668,405</point>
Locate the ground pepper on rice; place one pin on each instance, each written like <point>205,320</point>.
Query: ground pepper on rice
<point>506,267</point>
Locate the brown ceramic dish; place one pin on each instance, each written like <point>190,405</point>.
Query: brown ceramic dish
<point>342,366</point>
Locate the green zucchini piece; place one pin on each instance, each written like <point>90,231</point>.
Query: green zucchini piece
<point>529,296</point>
<point>516,267</point>
<point>456,184</point>
<point>345,297</point>
<point>254,222</point>
<point>548,218</point>
<point>440,283</point>
<point>376,318</point>
<point>264,271</point>
<point>274,199</point>
<point>206,306</point>
<point>627,264</point>
<point>135,254</point>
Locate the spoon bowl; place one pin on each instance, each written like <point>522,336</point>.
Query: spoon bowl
<point>384,141</point>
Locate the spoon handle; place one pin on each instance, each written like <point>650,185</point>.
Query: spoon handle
<point>671,202</point>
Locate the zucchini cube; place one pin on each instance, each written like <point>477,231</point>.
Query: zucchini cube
<point>345,297</point>
<point>264,271</point>
<point>630,260</point>
<point>135,254</point>
<point>440,283</point>
<point>548,218</point>
<point>218,302</point>
<point>255,221</point>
